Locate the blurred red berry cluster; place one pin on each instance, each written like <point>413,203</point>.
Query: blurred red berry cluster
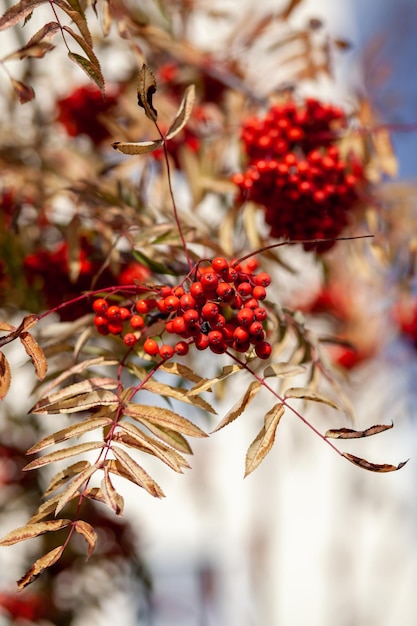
<point>296,173</point>
<point>220,310</point>
<point>48,271</point>
<point>81,113</point>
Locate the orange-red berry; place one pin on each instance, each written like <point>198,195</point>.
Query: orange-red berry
<point>100,306</point>
<point>151,347</point>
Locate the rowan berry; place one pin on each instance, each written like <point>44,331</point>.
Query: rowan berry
<point>220,265</point>
<point>240,334</point>
<point>215,337</point>
<point>218,322</point>
<point>196,289</point>
<point>241,346</point>
<point>169,326</point>
<point>244,289</point>
<point>100,320</point>
<point>166,352</point>
<point>181,348</point>
<point>256,328</point>
<point>178,325</point>
<point>263,350</point>
<point>165,291</point>
<point>113,313</point>
<point>100,306</point>
<point>103,330</point>
<point>218,348</point>
<point>116,327</point>
<point>201,341</point>
<point>209,281</point>
<point>245,316</point>
<point>187,301</point>
<point>171,303</point>
<point>124,313</point>
<point>137,322</point>
<point>191,317</point>
<point>225,292</point>
<point>263,279</point>
<point>142,306</point>
<point>210,310</point>
<point>252,303</point>
<point>252,265</point>
<point>151,347</point>
<point>260,314</point>
<point>259,293</point>
<point>129,339</point>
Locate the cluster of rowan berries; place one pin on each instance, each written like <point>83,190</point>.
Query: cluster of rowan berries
<point>221,309</point>
<point>296,173</point>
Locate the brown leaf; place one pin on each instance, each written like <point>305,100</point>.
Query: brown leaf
<point>308,394</point>
<point>91,384</point>
<point>348,433</point>
<point>146,89</point>
<point>92,70</point>
<point>238,408</point>
<point>89,534</point>
<point>110,496</point>
<point>73,488</point>
<point>138,439</point>
<point>64,476</point>
<point>372,467</point>
<point>179,369</point>
<point>40,566</point>
<point>183,113</point>
<point>36,51</point>
<point>80,402</point>
<point>77,369</point>
<point>23,91</point>
<point>171,437</point>
<point>7,327</point>
<point>177,393</point>
<point>282,370</point>
<point>29,531</point>
<point>18,12</point>
<point>74,10</point>
<point>263,442</point>
<point>140,147</point>
<point>127,467</point>
<point>5,376</point>
<point>206,384</point>
<point>163,417</point>
<point>35,352</point>
<point>71,431</point>
<point>60,455</point>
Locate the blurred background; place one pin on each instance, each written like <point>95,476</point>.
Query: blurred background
<point>307,538</point>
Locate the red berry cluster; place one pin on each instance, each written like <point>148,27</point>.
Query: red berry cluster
<point>296,172</point>
<point>220,310</point>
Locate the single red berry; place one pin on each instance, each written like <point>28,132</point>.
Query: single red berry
<point>240,334</point>
<point>252,265</point>
<point>187,301</point>
<point>256,328</point>
<point>225,292</point>
<point>227,332</point>
<point>220,265</point>
<point>263,350</point>
<point>142,306</point>
<point>252,303</point>
<point>260,314</point>
<point>124,313</point>
<point>231,275</point>
<point>100,306</point>
<point>263,279</point>
<point>151,347</point>
<point>100,320</point>
<point>169,326</point>
<point>165,291</point>
<point>218,322</point>
<point>137,322</point>
<point>191,317</point>
<point>166,352</point>
<point>259,293</point>
<point>241,347</point>
<point>160,305</point>
<point>129,339</point>
<point>245,316</point>
<point>215,337</point>
<point>209,310</point>
<point>178,325</point>
<point>178,291</point>
<point>209,281</point>
<point>196,289</point>
<point>244,289</point>
<point>113,313</point>
<point>201,341</point>
<point>181,348</point>
<point>219,348</point>
<point>116,327</point>
<point>103,330</point>
<point>172,303</point>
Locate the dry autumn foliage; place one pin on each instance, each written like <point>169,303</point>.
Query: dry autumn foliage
<point>126,217</point>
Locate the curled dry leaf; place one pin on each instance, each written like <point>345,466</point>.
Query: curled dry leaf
<point>92,70</point>
<point>36,354</point>
<point>29,531</point>
<point>177,393</point>
<point>205,384</point>
<point>282,370</point>
<point>91,384</point>
<point>183,114</point>
<point>264,440</point>
<point>24,92</point>
<point>305,393</point>
<point>146,89</point>
<point>62,477</point>
<point>348,433</point>
<point>18,12</point>
<point>40,566</point>
<point>73,488</point>
<point>5,376</point>
<point>240,405</point>
<point>89,534</point>
<point>78,403</point>
<point>110,496</point>
<point>141,147</point>
<point>373,467</point>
